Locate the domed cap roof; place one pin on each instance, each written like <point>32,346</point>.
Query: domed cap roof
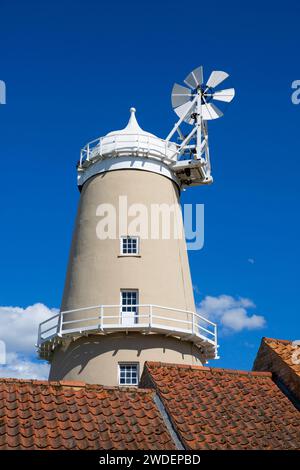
<point>131,147</point>
<point>132,127</point>
<point>133,141</point>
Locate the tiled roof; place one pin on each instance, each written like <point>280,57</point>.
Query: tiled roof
<point>198,407</point>
<point>283,359</point>
<point>70,415</point>
<point>225,409</point>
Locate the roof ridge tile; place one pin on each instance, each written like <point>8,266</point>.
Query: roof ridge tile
<point>283,341</point>
<point>207,369</point>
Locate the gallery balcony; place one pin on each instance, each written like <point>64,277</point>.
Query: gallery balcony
<point>146,319</point>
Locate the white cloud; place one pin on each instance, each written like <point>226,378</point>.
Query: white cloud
<point>21,367</point>
<point>230,313</point>
<point>19,326</point>
<point>18,331</point>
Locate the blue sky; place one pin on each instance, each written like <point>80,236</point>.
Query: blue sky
<point>72,71</point>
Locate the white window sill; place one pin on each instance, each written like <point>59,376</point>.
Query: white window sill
<point>129,385</point>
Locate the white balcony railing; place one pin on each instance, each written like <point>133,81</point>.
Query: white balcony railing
<point>128,144</point>
<point>105,319</point>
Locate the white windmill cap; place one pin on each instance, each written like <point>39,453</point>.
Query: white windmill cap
<point>132,127</point>
<point>134,141</point>
<point>131,148</point>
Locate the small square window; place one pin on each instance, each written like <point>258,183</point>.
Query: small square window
<point>129,245</point>
<point>128,374</point>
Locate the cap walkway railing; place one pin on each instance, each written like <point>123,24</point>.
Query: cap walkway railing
<point>145,318</point>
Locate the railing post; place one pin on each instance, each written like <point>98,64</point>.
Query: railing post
<point>39,336</point>
<point>193,323</point>
<point>150,316</point>
<point>59,326</point>
<point>216,340</point>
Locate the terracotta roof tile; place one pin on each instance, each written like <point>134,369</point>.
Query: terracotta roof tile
<point>282,358</point>
<point>55,415</point>
<point>225,409</point>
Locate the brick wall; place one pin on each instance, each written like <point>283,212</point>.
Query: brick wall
<point>276,356</point>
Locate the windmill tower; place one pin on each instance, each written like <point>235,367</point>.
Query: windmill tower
<point>128,293</point>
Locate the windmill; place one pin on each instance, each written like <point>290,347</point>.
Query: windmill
<point>194,104</point>
<point>129,297</point>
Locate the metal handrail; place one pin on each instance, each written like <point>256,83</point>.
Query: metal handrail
<point>154,322</point>
<point>143,145</point>
<point>80,320</point>
<point>51,318</point>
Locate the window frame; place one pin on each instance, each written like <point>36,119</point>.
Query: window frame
<point>133,237</point>
<point>128,364</point>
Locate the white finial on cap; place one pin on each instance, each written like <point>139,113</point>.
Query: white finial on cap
<point>132,126</point>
